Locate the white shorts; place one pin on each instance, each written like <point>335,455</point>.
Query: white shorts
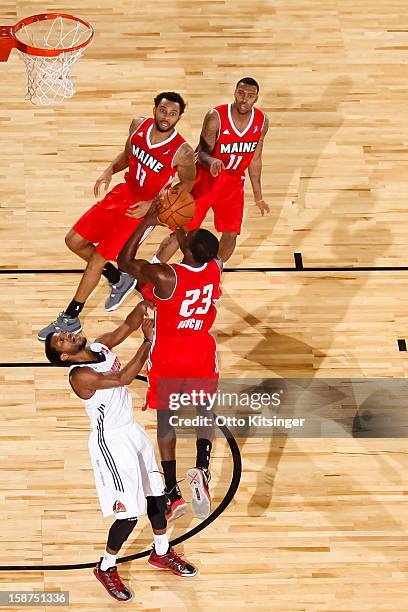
<point>125,470</point>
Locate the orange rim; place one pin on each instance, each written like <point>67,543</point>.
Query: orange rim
<point>30,50</point>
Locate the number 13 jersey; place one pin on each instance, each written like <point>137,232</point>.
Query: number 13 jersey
<point>151,166</point>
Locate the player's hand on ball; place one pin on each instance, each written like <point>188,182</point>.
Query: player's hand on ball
<point>138,210</point>
<point>151,216</point>
<point>175,188</point>
<point>104,179</point>
<point>216,167</point>
<point>263,206</point>
<point>148,328</point>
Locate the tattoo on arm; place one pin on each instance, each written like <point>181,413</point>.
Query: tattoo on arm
<point>185,164</point>
<point>209,133</point>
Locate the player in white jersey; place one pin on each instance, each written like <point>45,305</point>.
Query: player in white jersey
<point>127,478</point>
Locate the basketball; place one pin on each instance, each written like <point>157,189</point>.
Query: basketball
<point>177,209</point>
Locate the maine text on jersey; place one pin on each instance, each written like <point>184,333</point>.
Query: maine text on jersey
<point>147,159</point>
<point>238,147</point>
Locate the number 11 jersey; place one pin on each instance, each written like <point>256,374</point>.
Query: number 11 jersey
<point>234,148</point>
<point>151,166</point>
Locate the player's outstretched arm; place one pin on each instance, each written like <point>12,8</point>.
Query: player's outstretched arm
<point>208,138</point>
<point>126,258</point>
<point>120,162</point>
<point>255,171</point>
<point>161,276</point>
<point>85,381</point>
<point>132,322</point>
<point>184,161</point>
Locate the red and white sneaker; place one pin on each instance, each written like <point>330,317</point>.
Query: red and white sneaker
<point>175,504</point>
<point>173,562</point>
<point>113,583</point>
<point>198,480</point>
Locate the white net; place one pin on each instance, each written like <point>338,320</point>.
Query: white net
<point>49,78</point>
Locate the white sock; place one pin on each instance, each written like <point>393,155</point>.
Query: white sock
<point>161,543</point>
<point>155,259</point>
<point>108,561</point>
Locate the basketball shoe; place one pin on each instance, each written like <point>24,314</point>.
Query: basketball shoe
<point>113,583</point>
<point>175,504</point>
<point>200,496</point>
<point>61,323</point>
<point>173,562</point>
<point>120,291</point>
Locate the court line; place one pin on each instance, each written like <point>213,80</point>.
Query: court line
<point>232,489</point>
<point>299,267</point>
<point>402,345</point>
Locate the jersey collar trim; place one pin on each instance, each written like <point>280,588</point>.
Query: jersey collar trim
<point>159,144</point>
<point>203,267</point>
<point>233,124</point>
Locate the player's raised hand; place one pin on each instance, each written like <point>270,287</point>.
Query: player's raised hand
<point>148,328</point>
<point>152,215</point>
<point>216,167</point>
<point>104,179</point>
<point>263,206</point>
<point>136,316</point>
<point>145,306</point>
<point>138,210</point>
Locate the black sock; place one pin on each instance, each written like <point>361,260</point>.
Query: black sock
<point>169,469</point>
<point>74,309</point>
<point>111,273</point>
<point>203,453</point>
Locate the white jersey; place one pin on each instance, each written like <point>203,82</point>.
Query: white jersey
<point>121,452</point>
<point>107,408</point>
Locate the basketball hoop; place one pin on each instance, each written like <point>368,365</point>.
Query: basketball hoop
<point>49,44</point>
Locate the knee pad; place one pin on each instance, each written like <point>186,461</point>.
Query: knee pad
<point>120,531</point>
<point>156,511</point>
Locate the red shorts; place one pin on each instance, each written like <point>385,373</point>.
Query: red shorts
<point>173,366</point>
<point>106,224</point>
<point>224,194</point>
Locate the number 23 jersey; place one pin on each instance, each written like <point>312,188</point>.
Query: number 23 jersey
<point>190,311</point>
<point>151,166</point>
<point>182,346</point>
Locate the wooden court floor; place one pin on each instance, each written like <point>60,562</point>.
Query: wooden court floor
<point>316,524</point>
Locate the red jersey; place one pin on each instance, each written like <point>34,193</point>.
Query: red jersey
<point>183,357</point>
<point>151,166</point>
<point>236,149</point>
<point>190,311</point>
